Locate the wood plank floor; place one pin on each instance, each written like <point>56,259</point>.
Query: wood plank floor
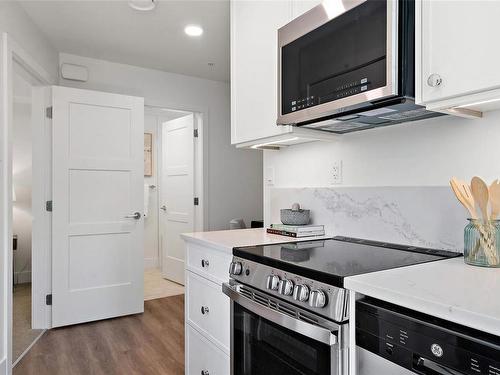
<point>149,343</point>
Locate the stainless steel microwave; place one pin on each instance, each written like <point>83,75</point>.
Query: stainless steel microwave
<point>349,65</point>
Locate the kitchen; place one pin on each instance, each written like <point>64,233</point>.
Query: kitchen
<point>389,185</point>
<point>368,151</point>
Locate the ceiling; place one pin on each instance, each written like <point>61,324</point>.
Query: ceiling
<point>111,30</point>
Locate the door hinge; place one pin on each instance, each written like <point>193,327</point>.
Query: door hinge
<point>48,206</point>
<point>195,133</point>
<point>48,112</point>
<point>48,299</point>
<point>196,201</point>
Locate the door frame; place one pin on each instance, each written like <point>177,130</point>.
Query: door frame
<point>200,167</point>
<point>11,52</point>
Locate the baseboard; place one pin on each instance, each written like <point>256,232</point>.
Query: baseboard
<point>150,263</point>
<point>3,366</point>
<point>174,270</point>
<point>22,277</point>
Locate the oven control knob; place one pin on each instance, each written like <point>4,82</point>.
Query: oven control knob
<point>273,282</point>
<point>235,268</point>
<point>301,293</point>
<point>317,299</point>
<point>285,287</point>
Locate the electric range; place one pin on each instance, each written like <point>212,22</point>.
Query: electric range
<point>289,308</point>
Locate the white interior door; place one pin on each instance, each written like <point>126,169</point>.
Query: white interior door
<point>97,258</point>
<point>177,193</point>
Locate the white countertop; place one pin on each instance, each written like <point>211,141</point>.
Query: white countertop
<point>227,239</point>
<point>448,289</point>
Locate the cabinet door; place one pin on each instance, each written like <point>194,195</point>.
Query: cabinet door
<point>301,6</point>
<point>254,36</point>
<point>458,44</point>
<point>203,357</point>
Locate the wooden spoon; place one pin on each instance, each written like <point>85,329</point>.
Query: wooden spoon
<point>464,195</point>
<point>494,191</point>
<point>481,196</point>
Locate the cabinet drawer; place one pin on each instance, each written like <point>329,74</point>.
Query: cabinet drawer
<point>202,355</point>
<point>210,263</point>
<point>208,309</point>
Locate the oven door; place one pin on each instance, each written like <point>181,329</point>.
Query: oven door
<point>340,56</point>
<point>268,338</point>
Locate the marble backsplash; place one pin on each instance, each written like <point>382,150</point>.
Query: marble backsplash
<point>419,216</point>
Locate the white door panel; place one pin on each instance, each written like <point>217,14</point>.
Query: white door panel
<point>177,188</point>
<point>98,181</point>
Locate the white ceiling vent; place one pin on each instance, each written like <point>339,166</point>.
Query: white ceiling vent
<point>74,72</point>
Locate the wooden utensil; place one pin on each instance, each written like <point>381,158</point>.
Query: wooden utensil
<point>494,191</point>
<point>481,196</point>
<point>464,195</point>
<point>486,230</point>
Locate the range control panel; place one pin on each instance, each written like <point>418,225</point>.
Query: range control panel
<point>326,300</point>
<point>424,346</point>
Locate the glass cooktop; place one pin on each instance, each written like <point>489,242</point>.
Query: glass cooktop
<point>330,261</point>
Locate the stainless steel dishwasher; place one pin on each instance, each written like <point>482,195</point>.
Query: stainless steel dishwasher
<point>396,341</point>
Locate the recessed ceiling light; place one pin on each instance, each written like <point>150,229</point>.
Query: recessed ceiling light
<point>193,30</point>
<point>142,5</point>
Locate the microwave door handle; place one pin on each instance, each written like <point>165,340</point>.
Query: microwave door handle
<point>427,367</point>
<point>312,331</point>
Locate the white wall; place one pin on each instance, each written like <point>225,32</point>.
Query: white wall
<point>22,178</point>
<point>233,176</point>
<point>424,153</point>
<point>14,21</point>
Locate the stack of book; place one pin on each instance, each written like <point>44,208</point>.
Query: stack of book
<point>297,230</point>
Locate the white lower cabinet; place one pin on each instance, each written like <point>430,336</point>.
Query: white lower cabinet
<point>207,311</point>
<point>202,357</point>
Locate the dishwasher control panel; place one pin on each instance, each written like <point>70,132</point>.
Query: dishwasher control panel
<point>422,343</point>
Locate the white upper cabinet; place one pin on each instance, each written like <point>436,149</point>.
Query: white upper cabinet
<point>254,73</point>
<point>254,37</point>
<point>459,65</point>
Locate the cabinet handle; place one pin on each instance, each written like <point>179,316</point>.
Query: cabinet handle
<point>434,80</point>
<point>204,310</point>
<point>205,263</point>
<point>205,372</point>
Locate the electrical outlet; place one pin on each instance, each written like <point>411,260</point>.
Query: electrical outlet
<point>336,172</point>
<point>269,179</point>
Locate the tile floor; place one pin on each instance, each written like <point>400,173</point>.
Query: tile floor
<point>155,286</point>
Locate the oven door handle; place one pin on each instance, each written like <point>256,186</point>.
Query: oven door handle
<point>312,331</point>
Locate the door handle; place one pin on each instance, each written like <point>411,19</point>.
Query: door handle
<point>135,215</point>
<point>205,310</point>
<point>164,208</point>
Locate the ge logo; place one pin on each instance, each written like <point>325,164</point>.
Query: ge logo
<point>437,350</point>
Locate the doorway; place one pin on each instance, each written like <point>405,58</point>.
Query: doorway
<point>23,335</point>
<point>173,179</point>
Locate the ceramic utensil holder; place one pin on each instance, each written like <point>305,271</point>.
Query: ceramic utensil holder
<point>482,243</point>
